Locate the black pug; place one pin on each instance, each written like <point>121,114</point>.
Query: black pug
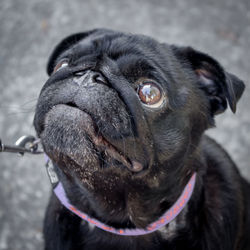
<point>122,117</point>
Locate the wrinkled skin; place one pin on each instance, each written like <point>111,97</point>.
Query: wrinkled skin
<point>125,162</point>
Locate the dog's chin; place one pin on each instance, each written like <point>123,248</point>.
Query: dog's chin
<point>70,135</point>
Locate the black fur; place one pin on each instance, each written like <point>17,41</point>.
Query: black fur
<point>93,103</point>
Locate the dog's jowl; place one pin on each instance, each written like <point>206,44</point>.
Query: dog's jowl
<point>122,119</point>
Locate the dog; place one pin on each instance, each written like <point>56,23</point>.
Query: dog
<point>122,118</point>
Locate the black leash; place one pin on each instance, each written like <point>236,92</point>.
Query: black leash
<point>25,144</point>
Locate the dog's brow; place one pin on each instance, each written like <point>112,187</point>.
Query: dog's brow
<point>130,63</point>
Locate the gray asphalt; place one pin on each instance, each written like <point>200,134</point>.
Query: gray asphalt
<point>28,32</point>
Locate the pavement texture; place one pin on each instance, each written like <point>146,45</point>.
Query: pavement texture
<point>28,32</point>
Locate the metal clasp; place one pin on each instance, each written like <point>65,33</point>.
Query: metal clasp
<point>25,144</point>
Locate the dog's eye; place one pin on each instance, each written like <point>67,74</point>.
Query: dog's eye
<point>150,94</point>
<point>61,64</point>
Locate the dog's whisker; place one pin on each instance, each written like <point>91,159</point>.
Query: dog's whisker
<point>19,109</point>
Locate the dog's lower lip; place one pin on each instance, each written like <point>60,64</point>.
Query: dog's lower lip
<point>101,144</point>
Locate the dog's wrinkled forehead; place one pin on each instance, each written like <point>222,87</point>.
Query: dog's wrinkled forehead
<point>116,46</point>
<point>136,57</point>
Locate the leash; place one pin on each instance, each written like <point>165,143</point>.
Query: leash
<point>25,144</point>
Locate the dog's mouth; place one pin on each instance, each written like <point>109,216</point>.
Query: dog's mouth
<point>71,132</point>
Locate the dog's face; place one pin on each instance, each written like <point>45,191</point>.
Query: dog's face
<point>121,117</point>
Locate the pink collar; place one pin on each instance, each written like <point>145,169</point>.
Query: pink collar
<point>167,217</point>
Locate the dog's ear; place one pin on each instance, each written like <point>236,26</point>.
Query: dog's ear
<point>64,45</point>
<point>220,86</point>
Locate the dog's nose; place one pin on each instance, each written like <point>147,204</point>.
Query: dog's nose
<point>85,77</point>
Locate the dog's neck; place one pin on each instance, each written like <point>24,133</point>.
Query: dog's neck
<point>165,219</point>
